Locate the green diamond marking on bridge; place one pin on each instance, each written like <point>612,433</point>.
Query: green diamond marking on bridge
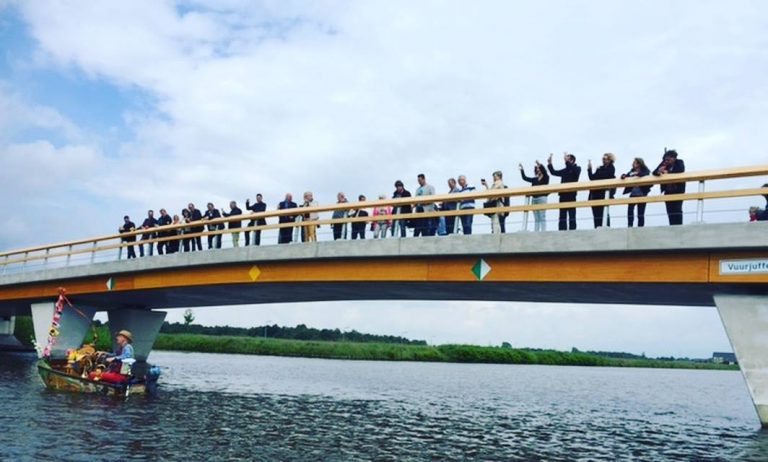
<point>110,284</point>
<point>481,269</point>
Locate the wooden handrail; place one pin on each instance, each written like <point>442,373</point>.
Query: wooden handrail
<point>455,197</point>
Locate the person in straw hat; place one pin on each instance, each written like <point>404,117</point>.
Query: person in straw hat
<point>124,340</point>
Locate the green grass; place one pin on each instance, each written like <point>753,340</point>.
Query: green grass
<point>395,352</point>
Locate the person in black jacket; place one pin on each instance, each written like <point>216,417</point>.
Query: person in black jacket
<point>164,220</point>
<point>400,191</point>
<point>149,223</point>
<point>258,207</point>
<point>127,227</point>
<point>670,164</point>
<point>195,216</point>
<point>358,227</point>
<point>214,240</point>
<point>540,177</point>
<point>285,235</point>
<point>604,172</point>
<point>569,174</point>
<point>639,170</point>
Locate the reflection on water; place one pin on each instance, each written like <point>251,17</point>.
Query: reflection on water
<point>227,407</point>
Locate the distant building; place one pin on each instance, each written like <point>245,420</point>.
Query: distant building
<point>724,358</point>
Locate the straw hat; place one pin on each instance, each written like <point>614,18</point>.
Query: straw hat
<point>127,334</point>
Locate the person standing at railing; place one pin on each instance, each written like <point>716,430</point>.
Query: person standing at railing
<point>758,214</point>
<point>233,225</point>
<point>195,217</point>
<point>340,229</point>
<point>309,227</point>
<point>466,204</point>
<point>670,164</point>
<point>173,245</point>
<point>185,230</point>
<point>285,235</point>
<point>358,227</point>
<point>496,218</point>
<point>569,174</point>
<point>639,170</point>
<point>258,207</point>
<point>164,220</point>
<point>425,226</point>
<point>606,171</point>
<point>149,223</point>
<point>214,240</point>
<point>450,220</point>
<point>540,177</point>
<point>128,226</point>
<point>382,215</point>
<point>400,226</point>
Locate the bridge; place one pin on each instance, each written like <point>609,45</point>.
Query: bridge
<point>723,265</point>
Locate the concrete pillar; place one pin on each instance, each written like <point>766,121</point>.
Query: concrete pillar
<point>144,325</point>
<point>8,342</point>
<point>745,318</point>
<point>7,325</point>
<point>73,325</point>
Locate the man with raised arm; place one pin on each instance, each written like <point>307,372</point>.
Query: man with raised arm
<point>569,174</point>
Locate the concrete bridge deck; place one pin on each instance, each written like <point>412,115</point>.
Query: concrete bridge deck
<point>667,266</point>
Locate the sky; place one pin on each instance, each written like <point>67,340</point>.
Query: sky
<point>113,108</point>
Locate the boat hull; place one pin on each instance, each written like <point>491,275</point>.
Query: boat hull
<point>60,380</point>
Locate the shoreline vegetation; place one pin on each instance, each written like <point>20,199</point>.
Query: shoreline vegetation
<point>386,351</point>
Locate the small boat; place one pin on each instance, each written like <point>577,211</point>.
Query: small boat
<point>60,376</point>
<point>65,367</point>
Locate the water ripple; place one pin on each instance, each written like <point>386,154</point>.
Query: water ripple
<point>218,407</point>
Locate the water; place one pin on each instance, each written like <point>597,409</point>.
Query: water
<point>228,407</point>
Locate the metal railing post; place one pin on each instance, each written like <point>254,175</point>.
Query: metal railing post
<point>93,252</point>
<point>24,264</point>
<point>5,265</point>
<point>700,204</point>
<point>69,255</point>
<point>528,200</point>
<point>45,260</point>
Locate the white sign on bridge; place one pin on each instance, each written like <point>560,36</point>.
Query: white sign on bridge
<point>758,266</point>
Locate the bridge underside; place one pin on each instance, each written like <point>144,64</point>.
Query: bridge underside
<point>549,292</point>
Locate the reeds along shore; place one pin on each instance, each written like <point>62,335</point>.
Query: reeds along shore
<point>381,351</point>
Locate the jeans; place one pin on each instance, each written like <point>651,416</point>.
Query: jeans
<point>214,241</point>
<point>358,232</point>
<point>640,214</point>
<point>567,216</point>
<point>338,231</point>
<point>380,230</point>
<point>146,237</point>
<point>466,223</point>
<point>401,226</point>
<point>539,216</point>
<point>675,212</point>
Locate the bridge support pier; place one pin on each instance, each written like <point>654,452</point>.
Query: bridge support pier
<point>8,340</point>
<point>143,324</point>
<point>745,318</point>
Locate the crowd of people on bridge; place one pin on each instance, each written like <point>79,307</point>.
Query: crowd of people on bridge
<point>383,220</point>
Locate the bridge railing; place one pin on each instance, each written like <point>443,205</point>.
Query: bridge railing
<point>103,247</point>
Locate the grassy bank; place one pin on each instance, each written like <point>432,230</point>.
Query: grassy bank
<point>377,351</point>
<point>394,352</point>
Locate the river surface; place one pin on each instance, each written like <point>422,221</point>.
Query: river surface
<point>230,407</point>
